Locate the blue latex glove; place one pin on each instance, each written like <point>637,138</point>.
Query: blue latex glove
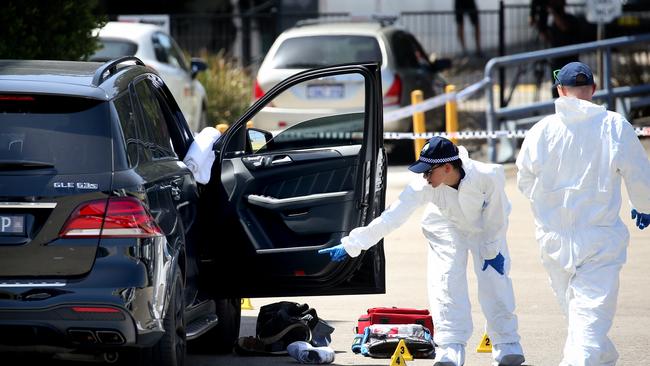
<point>337,253</point>
<point>496,263</point>
<point>642,220</point>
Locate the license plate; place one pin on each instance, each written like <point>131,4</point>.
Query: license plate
<point>325,91</point>
<point>12,224</point>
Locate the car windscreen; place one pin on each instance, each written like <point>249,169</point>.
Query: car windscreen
<point>316,51</point>
<point>65,135</point>
<point>113,48</point>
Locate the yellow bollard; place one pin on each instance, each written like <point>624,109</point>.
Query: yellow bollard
<point>418,122</point>
<point>451,123</point>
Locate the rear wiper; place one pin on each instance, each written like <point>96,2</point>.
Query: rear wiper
<point>23,164</point>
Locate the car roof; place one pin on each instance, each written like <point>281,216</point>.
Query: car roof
<point>73,78</point>
<point>129,30</point>
<point>334,28</point>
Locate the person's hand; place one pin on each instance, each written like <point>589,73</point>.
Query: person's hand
<point>337,253</point>
<point>642,220</point>
<point>496,263</point>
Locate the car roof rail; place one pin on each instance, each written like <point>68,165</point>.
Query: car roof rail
<point>111,68</point>
<point>384,20</point>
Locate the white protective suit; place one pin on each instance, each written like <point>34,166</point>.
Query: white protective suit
<point>473,218</point>
<point>200,157</point>
<point>570,167</point>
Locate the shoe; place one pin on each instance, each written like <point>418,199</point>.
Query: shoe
<point>306,353</point>
<point>508,354</point>
<point>452,354</point>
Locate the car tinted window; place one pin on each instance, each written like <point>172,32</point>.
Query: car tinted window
<point>153,131</point>
<point>112,49</point>
<point>124,111</point>
<point>407,51</point>
<point>307,52</point>
<point>72,134</point>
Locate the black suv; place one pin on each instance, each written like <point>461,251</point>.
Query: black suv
<point>109,247</point>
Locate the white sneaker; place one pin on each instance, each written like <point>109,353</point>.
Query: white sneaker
<point>508,354</point>
<point>452,354</point>
<point>306,353</point>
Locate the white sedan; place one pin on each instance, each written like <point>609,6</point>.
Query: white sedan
<point>158,50</point>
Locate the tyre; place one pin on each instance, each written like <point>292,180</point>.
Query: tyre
<point>172,347</point>
<point>223,336</point>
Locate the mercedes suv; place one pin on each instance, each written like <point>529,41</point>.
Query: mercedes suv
<point>109,247</point>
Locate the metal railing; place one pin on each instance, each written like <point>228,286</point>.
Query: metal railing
<point>608,93</point>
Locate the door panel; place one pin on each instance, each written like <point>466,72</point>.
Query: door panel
<point>301,190</point>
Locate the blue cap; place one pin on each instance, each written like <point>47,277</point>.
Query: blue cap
<point>574,74</point>
<point>438,150</point>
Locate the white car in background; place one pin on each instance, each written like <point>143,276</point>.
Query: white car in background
<point>404,67</point>
<point>158,50</point>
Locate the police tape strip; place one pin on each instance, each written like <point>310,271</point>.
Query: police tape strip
<point>434,102</point>
<point>472,135</point>
<point>460,135</point>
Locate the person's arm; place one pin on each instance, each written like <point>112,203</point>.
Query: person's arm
<point>495,214</point>
<point>362,238</point>
<point>634,166</point>
<point>526,175</point>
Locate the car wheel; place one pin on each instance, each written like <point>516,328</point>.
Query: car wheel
<point>222,337</point>
<point>172,347</point>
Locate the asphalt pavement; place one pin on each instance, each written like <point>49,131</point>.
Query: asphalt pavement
<point>541,324</point>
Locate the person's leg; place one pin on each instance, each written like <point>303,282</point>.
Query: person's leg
<point>497,299</point>
<point>460,29</point>
<point>449,299</point>
<point>593,293</point>
<point>473,17</point>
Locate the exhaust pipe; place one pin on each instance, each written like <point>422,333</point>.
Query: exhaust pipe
<point>110,357</point>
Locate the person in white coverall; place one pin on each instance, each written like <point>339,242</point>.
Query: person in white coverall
<point>467,211</point>
<point>570,168</point>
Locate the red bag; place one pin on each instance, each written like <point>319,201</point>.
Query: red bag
<point>395,316</point>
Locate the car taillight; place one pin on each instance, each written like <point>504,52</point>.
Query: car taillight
<point>119,217</point>
<point>394,94</point>
<point>16,98</point>
<point>257,91</point>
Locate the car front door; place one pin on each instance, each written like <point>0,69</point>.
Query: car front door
<point>277,197</point>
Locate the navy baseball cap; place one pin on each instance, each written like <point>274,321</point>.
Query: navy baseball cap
<point>574,74</point>
<point>438,150</point>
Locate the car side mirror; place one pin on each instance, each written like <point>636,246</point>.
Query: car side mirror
<point>258,138</point>
<point>440,64</point>
<point>198,65</point>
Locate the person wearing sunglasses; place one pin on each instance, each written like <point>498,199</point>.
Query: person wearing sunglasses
<point>466,212</point>
<point>570,167</point>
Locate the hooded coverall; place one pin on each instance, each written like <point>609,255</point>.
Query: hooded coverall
<point>472,218</point>
<point>570,168</point>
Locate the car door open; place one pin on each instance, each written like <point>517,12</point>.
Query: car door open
<point>284,194</point>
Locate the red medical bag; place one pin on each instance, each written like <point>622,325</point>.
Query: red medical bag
<point>395,316</point>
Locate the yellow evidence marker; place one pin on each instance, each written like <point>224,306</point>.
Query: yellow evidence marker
<point>485,346</point>
<point>397,360</point>
<point>402,350</point>
<point>246,304</point>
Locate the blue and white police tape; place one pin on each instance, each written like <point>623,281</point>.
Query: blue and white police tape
<point>460,135</point>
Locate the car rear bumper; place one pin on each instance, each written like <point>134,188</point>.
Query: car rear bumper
<point>120,303</point>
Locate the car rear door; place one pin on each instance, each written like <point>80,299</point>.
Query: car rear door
<point>273,203</point>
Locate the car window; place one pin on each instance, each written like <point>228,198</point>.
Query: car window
<point>72,134</point>
<point>152,125</point>
<point>167,51</point>
<point>111,49</point>
<point>407,51</point>
<point>308,126</point>
<point>125,114</point>
<point>314,51</point>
